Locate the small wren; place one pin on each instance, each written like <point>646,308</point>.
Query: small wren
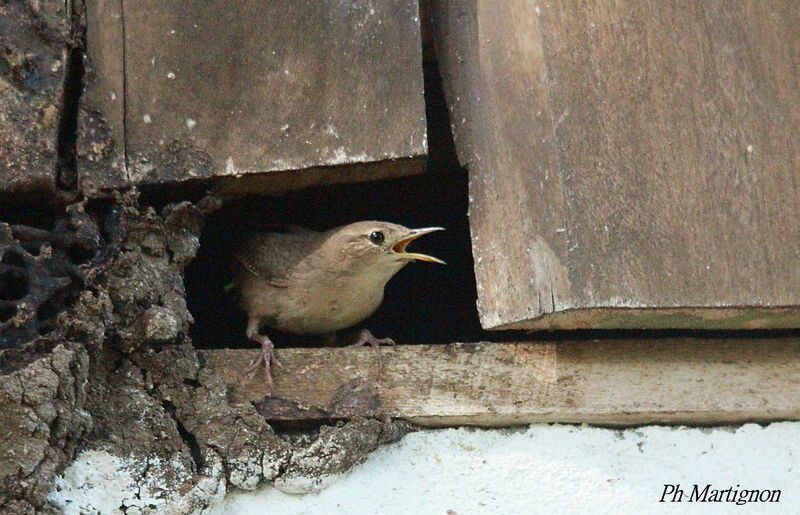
<point>309,282</point>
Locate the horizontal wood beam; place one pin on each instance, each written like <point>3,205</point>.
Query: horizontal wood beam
<point>609,382</point>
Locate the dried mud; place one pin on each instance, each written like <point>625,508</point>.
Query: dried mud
<point>119,375</point>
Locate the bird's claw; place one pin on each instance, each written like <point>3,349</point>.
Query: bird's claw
<point>266,356</point>
<point>366,337</point>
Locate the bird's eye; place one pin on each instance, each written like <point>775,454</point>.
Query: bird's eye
<point>376,237</point>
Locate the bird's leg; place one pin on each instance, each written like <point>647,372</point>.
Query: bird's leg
<point>267,355</point>
<point>364,336</point>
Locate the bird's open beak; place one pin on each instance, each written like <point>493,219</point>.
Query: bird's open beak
<point>399,248</point>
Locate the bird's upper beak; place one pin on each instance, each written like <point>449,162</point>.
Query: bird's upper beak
<point>399,247</point>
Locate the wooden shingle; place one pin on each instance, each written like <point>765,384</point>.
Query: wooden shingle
<point>262,95</point>
<point>631,164</point>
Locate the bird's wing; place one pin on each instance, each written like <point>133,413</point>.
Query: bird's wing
<point>273,256</point>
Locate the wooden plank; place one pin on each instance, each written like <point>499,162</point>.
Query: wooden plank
<point>282,181</point>
<point>631,164</point>
<point>621,382</point>
<point>262,88</point>
<point>34,38</point>
<point>101,121</point>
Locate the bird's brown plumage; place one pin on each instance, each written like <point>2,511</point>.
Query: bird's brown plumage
<point>308,282</point>
<point>272,256</point>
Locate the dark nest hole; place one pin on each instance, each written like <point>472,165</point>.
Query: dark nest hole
<point>424,302</point>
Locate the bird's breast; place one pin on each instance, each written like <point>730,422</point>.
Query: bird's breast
<point>326,306</point>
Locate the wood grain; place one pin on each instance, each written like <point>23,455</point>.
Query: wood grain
<point>262,88</point>
<point>632,164</point>
<point>101,145</point>
<point>35,39</point>
<point>624,382</point>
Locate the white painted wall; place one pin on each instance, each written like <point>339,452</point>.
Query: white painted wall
<point>540,469</point>
<point>553,469</point>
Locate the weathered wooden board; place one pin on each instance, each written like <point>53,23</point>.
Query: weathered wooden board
<point>620,382</point>
<point>632,164</point>
<point>101,122</point>
<point>34,39</point>
<point>257,89</point>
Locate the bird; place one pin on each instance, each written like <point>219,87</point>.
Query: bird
<point>303,281</point>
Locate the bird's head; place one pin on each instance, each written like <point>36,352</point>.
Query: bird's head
<point>379,246</point>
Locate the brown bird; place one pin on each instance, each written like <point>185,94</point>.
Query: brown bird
<point>309,282</point>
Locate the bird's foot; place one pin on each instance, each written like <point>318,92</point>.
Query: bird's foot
<point>266,356</point>
<point>366,337</point>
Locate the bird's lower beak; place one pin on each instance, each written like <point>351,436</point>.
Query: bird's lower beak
<point>399,248</point>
